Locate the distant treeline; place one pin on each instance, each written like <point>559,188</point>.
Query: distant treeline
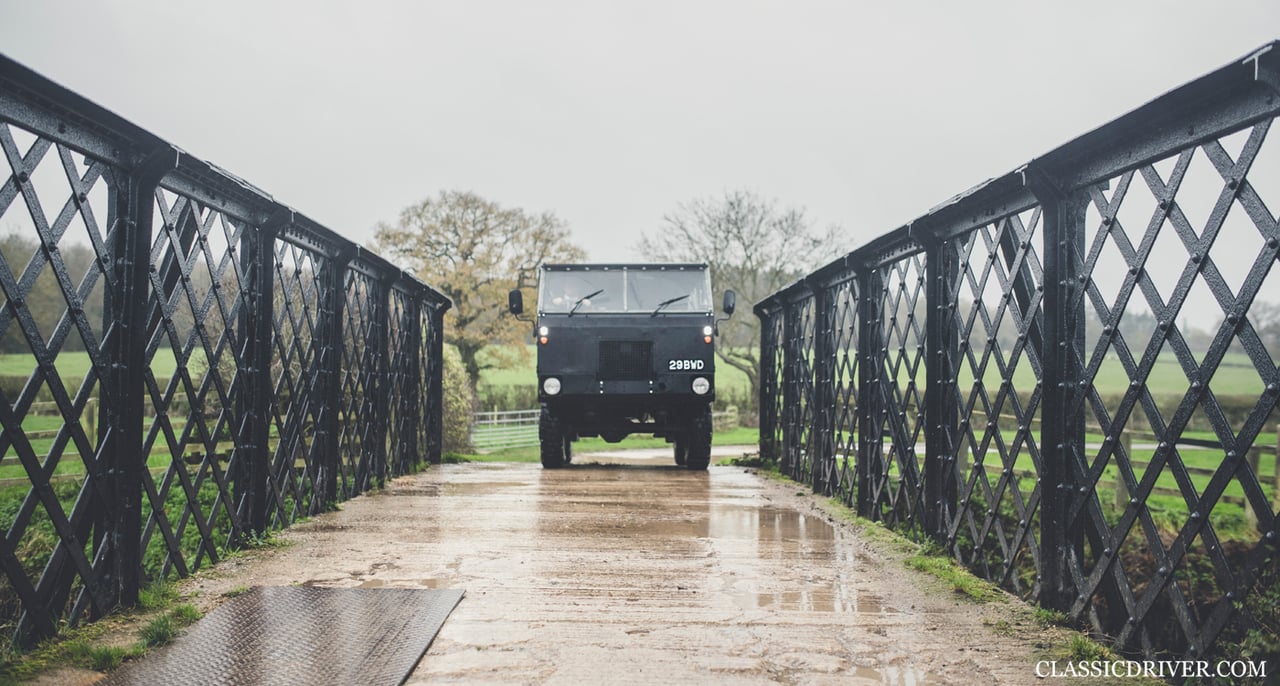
<point>45,299</point>
<point>48,303</point>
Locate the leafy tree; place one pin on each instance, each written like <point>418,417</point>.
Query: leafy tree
<point>474,251</point>
<point>754,247</point>
<point>458,400</point>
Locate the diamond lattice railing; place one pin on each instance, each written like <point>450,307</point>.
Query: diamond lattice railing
<point>171,381</point>
<point>54,207</point>
<point>359,430</point>
<point>798,386</point>
<point>1097,365</point>
<point>1179,256</point>
<point>299,410</point>
<point>845,381</point>
<point>998,315</point>
<point>192,380</point>
<point>896,485</point>
<point>403,381</point>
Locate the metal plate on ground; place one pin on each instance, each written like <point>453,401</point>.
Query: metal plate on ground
<point>300,635</point>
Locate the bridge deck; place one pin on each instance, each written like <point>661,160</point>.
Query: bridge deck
<point>642,572</point>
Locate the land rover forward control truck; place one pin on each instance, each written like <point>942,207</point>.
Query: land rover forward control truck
<point>624,349</point>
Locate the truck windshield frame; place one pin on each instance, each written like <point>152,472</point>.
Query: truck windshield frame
<point>625,290</point>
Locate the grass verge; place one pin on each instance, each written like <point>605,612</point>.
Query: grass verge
<point>90,646</point>
<point>1060,641</point>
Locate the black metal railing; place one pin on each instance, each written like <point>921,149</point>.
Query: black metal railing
<point>1067,376</point>
<point>187,364</point>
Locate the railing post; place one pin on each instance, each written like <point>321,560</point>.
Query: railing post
<point>257,255</point>
<point>435,383</point>
<point>1254,458</point>
<point>381,304</point>
<point>870,394</point>
<point>123,456</point>
<point>789,460</point>
<point>410,398</point>
<point>768,382</point>
<point>822,435</point>
<point>942,411</point>
<point>333,299</point>
<point>1062,428</point>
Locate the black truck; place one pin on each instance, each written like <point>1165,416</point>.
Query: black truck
<point>623,349</point>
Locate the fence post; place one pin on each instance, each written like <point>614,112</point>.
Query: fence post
<point>1062,429</point>
<point>123,457</point>
<point>90,417</point>
<point>1254,457</point>
<point>870,393</point>
<point>942,408</point>
<point>1275,475</point>
<point>1122,490</point>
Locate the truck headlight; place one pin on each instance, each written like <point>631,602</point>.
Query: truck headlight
<point>551,385</point>
<point>701,385</point>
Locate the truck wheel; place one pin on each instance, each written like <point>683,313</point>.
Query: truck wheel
<point>699,451</point>
<point>551,440</point>
<point>682,451</point>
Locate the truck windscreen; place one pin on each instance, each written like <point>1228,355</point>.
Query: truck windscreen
<point>624,290</point>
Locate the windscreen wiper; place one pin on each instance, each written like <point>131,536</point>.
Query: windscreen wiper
<point>583,299</point>
<point>664,303</point>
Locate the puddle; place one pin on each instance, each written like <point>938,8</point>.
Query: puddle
<point>403,583</point>
<point>768,524</point>
<point>481,487</point>
<point>835,599</point>
<point>892,676</point>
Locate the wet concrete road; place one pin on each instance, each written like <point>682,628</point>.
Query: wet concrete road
<point>639,572</point>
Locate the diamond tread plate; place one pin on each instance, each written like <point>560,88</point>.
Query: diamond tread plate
<point>300,635</point>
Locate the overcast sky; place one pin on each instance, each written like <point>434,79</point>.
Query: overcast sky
<point>610,114</point>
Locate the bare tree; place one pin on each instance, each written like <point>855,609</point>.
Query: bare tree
<point>1265,316</point>
<point>753,247</point>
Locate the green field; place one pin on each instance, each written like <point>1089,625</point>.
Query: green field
<point>1236,375</point>
<point>75,365</point>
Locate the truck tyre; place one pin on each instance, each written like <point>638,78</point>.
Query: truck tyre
<point>682,451</point>
<point>699,455</point>
<point>551,440</point>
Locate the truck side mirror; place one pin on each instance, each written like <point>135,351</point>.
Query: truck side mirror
<point>730,302</point>
<point>515,302</point>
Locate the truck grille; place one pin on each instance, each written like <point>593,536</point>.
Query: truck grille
<point>626,360</point>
